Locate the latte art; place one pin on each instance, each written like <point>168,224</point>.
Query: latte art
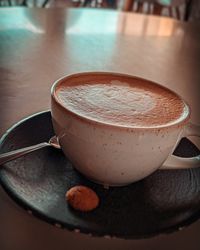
<point>114,98</point>
<point>121,103</point>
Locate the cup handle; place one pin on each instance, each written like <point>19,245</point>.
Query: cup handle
<point>175,162</point>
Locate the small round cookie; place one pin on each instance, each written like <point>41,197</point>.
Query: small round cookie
<point>82,198</point>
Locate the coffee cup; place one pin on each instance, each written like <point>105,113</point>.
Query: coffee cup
<point>117,129</point>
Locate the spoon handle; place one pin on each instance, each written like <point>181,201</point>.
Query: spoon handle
<point>9,156</point>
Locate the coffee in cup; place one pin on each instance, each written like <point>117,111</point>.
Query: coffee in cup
<point>116,128</point>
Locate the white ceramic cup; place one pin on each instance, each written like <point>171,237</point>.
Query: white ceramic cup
<point>113,155</point>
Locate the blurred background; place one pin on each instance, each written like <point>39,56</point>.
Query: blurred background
<point>181,9</point>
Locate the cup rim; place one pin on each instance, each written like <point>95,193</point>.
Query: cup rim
<point>181,121</point>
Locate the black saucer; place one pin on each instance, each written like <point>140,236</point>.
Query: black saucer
<point>161,203</point>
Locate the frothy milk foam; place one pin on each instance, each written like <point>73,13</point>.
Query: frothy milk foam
<point>122,102</point>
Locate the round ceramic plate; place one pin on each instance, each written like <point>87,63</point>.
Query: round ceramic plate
<point>161,203</point>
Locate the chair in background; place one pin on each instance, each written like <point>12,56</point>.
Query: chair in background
<point>95,3</point>
<point>162,7</point>
<point>34,3</point>
<point>192,10</point>
<point>5,3</point>
<point>25,3</point>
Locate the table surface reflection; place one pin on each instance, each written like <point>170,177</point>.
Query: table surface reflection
<point>38,46</point>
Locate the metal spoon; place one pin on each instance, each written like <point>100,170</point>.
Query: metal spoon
<point>9,156</point>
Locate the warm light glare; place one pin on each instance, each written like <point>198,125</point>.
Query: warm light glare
<point>140,26</point>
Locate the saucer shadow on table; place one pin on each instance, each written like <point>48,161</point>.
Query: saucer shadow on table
<point>161,203</point>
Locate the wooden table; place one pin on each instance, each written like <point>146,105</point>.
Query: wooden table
<point>37,46</point>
